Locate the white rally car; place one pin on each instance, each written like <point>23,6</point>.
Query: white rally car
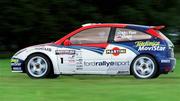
<point>100,49</point>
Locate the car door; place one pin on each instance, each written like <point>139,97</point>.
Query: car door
<point>66,58</point>
<point>91,45</point>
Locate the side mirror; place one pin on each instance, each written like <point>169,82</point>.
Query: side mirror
<point>67,42</point>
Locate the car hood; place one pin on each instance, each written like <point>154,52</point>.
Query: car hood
<point>42,45</point>
<point>34,47</point>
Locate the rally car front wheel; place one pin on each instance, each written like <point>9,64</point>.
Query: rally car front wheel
<point>39,66</point>
<point>144,67</point>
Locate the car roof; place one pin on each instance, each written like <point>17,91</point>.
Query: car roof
<point>112,24</point>
<point>130,26</point>
<point>143,28</point>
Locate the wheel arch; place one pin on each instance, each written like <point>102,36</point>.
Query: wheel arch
<point>130,69</point>
<point>52,65</point>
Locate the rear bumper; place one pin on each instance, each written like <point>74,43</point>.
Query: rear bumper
<point>168,65</point>
<point>173,63</point>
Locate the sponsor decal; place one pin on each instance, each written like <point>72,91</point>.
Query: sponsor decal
<point>79,68</point>
<point>125,34</point>
<point>79,60</point>
<point>165,61</point>
<point>71,61</point>
<point>15,62</point>
<point>154,48</point>
<point>79,63</point>
<point>63,52</point>
<point>71,57</point>
<point>123,72</point>
<point>43,48</point>
<point>147,43</point>
<point>149,46</point>
<point>78,54</point>
<point>107,64</point>
<point>16,68</point>
<point>115,51</point>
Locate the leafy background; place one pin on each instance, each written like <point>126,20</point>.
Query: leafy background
<point>28,22</point>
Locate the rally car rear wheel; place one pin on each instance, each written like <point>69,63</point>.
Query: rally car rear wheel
<point>38,66</point>
<point>144,67</point>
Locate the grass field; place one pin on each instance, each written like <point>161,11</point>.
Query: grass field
<point>19,87</point>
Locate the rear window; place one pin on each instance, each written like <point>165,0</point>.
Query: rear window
<point>164,37</point>
<point>122,34</point>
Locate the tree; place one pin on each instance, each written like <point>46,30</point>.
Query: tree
<point>28,22</point>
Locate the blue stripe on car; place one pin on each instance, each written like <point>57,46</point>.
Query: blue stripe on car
<point>128,47</point>
<point>94,49</point>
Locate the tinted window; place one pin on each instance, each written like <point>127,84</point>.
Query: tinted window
<point>94,35</point>
<point>129,35</point>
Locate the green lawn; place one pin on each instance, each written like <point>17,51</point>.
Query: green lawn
<point>19,87</point>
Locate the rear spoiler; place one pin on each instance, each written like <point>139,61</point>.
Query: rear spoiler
<point>157,27</point>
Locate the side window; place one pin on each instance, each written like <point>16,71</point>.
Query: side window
<point>129,35</point>
<point>94,35</point>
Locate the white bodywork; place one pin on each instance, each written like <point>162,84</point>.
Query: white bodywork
<point>80,60</point>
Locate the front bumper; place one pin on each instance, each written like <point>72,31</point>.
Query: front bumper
<point>17,65</point>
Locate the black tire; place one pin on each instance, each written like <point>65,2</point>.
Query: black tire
<point>48,72</point>
<point>53,76</point>
<point>157,75</point>
<point>154,73</point>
